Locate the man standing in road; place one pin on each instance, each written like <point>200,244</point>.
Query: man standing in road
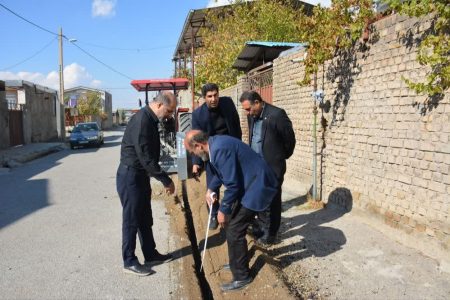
<point>139,157</point>
<point>250,187</point>
<point>272,137</point>
<point>217,116</point>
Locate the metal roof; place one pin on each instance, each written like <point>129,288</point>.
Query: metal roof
<point>196,19</point>
<point>160,84</point>
<point>21,83</point>
<point>256,53</point>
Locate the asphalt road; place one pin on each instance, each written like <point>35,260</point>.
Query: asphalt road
<point>60,230</point>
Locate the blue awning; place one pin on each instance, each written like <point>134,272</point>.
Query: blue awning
<point>257,53</point>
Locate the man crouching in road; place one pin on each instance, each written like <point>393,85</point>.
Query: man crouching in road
<point>139,157</point>
<point>250,187</point>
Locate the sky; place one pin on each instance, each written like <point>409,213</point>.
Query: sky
<point>136,38</point>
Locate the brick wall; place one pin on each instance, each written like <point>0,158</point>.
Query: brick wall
<point>235,93</point>
<point>382,150</point>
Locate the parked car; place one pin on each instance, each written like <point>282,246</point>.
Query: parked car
<point>86,134</point>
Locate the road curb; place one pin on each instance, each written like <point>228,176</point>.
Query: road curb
<point>16,159</point>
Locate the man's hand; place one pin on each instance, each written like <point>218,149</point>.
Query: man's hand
<point>196,171</point>
<point>222,219</point>
<point>210,197</point>
<point>170,189</point>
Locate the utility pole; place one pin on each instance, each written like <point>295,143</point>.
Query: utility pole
<point>61,117</point>
<point>315,140</point>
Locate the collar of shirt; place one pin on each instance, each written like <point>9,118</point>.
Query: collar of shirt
<point>260,117</point>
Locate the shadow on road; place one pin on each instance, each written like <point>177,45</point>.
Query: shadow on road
<point>309,236</point>
<point>22,195</point>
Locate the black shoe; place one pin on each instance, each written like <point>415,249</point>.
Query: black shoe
<point>214,223</point>
<point>266,241</point>
<point>138,270</point>
<point>236,284</point>
<point>158,258</point>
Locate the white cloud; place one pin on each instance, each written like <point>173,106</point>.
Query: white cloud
<point>96,83</point>
<point>103,8</point>
<point>74,75</point>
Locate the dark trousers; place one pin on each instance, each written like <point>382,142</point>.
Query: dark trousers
<point>237,244</point>
<point>134,191</point>
<point>270,219</point>
<point>209,176</point>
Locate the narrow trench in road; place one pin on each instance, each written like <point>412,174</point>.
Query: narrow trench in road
<point>204,285</point>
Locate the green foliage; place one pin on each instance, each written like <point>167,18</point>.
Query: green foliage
<point>434,49</point>
<point>330,29</point>
<point>228,30</point>
<point>89,104</point>
<point>122,115</point>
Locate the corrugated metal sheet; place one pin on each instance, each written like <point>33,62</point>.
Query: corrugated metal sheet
<point>256,53</point>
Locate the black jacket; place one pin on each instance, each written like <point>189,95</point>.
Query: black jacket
<point>140,147</point>
<point>201,120</point>
<point>278,138</point>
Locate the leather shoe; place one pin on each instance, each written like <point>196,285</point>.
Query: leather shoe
<point>158,258</point>
<point>236,284</point>
<point>266,241</point>
<point>214,223</point>
<point>138,270</point>
<point>255,232</point>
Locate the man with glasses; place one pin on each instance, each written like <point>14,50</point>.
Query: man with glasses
<point>271,136</point>
<point>139,158</point>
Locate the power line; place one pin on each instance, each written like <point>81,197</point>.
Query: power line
<point>86,43</point>
<point>126,49</point>
<point>65,37</point>
<point>32,56</point>
<point>28,21</point>
<point>99,61</point>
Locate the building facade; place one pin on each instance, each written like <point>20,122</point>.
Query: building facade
<point>73,94</point>
<point>33,112</point>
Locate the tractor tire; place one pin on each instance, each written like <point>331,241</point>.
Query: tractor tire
<point>184,122</point>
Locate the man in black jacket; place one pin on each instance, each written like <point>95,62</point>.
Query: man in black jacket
<point>217,116</point>
<point>139,157</point>
<point>270,135</point>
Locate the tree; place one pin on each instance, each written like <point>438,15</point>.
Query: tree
<point>122,116</point>
<point>228,30</point>
<point>434,49</point>
<point>89,104</point>
<point>330,29</point>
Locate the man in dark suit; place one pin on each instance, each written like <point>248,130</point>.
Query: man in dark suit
<point>250,187</point>
<point>139,157</point>
<point>217,116</point>
<point>272,137</point>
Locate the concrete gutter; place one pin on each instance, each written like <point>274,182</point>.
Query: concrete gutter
<point>16,156</point>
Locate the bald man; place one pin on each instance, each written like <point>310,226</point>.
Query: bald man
<point>139,158</point>
<point>250,187</point>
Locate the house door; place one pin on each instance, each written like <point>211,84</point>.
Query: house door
<point>261,82</point>
<point>15,127</point>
